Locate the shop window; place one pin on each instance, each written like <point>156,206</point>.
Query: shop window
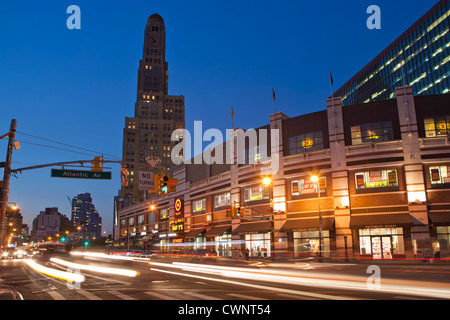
<point>376,179</point>
<point>222,200</point>
<point>307,243</point>
<point>306,143</point>
<point>258,245</point>
<point>198,206</point>
<point>256,193</point>
<point>437,126</point>
<point>381,243</point>
<point>306,186</point>
<point>372,133</point>
<point>440,174</point>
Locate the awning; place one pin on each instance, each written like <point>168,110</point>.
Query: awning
<point>194,233</point>
<point>252,228</point>
<point>439,218</point>
<point>149,236</point>
<point>381,221</point>
<point>311,224</point>
<point>217,231</point>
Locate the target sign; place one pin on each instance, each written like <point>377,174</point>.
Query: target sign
<point>178,206</point>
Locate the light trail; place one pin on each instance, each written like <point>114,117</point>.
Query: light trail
<point>67,276</point>
<point>322,280</point>
<point>115,271</point>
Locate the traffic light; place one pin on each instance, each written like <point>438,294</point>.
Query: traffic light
<point>97,164</point>
<point>156,179</point>
<point>234,211</point>
<point>163,183</point>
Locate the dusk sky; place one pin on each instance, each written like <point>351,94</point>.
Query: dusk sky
<point>77,86</point>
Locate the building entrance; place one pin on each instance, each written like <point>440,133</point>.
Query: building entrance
<point>382,247</point>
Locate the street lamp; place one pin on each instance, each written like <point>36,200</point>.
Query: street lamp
<point>267,181</point>
<point>315,179</point>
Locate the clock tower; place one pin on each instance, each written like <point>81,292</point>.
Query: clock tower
<point>156,113</point>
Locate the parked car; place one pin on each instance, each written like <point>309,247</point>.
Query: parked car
<point>206,252</point>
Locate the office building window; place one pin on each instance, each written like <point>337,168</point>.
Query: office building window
<point>376,179</point>
<point>372,132</point>
<point>140,220</point>
<point>306,143</point>
<point>437,126</point>
<point>256,193</point>
<point>440,174</point>
<point>198,206</point>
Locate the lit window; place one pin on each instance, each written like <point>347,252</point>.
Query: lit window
<point>437,126</point>
<point>199,206</point>
<point>376,179</point>
<point>440,174</point>
<point>306,186</point>
<point>222,200</point>
<point>372,132</point>
<point>305,143</point>
<point>256,193</point>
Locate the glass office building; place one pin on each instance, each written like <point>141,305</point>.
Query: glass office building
<point>420,57</point>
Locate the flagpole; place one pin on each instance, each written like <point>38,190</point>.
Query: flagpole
<point>332,105</point>
<point>273,101</point>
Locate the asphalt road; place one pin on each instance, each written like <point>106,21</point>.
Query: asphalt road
<point>186,281</point>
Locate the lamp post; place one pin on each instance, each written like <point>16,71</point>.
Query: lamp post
<point>268,182</point>
<point>315,179</point>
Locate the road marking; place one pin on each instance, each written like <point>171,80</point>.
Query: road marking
<point>88,295</point>
<point>201,296</point>
<point>159,295</point>
<point>245,297</point>
<point>55,295</point>
<point>121,295</point>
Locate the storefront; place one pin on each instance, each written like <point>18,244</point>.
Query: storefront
<point>220,236</point>
<point>440,233</point>
<point>257,236</point>
<point>196,239</point>
<point>382,236</point>
<point>306,238</point>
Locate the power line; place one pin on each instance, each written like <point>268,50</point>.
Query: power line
<point>65,144</point>
<point>43,145</point>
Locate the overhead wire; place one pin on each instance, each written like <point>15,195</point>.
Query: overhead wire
<point>65,144</point>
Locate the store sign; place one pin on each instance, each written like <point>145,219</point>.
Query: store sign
<point>307,143</point>
<point>178,206</point>
<point>435,175</point>
<point>360,180</point>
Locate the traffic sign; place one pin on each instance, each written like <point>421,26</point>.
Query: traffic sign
<point>79,174</point>
<point>260,218</point>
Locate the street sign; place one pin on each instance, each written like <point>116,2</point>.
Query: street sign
<point>260,218</point>
<point>79,174</point>
<point>146,181</point>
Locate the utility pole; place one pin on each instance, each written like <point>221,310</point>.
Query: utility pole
<point>6,175</point>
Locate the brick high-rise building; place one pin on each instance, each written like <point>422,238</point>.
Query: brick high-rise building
<point>157,114</point>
